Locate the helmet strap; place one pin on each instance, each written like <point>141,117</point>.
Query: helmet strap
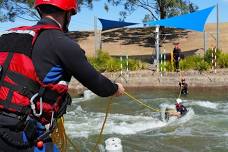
<point>66,21</point>
<point>48,16</point>
<point>39,12</point>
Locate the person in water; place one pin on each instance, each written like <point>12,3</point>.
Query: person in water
<point>180,109</point>
<point>183,86</point>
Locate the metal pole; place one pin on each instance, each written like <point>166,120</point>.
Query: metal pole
<point>205,42</point>
<point>215,59</point>
<point>217,27</point>
<point>164,60</point>
<point>121,65</point>
<point>95,36</point>
<point>161,63</point>
<point>157,47</point>
<point>127,62</point>
<point>171,60</point>
<point>100,40</point>
<point>212,59</point>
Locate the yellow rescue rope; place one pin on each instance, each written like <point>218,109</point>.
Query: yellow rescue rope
<point>108,110</point>
<point>180,76</point>
<point>141,103</point>
<point>60,138</point>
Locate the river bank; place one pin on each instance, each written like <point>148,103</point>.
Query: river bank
<point>152,79</point>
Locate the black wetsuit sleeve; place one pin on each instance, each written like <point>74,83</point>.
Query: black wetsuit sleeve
<point>74,61</point>
<point>183,110</point>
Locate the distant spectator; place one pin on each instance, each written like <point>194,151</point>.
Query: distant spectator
<point>176,56</point>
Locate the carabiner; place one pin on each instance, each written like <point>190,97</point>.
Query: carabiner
<point>33,106</point>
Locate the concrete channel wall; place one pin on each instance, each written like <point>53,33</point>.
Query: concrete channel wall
<point>148,78</point>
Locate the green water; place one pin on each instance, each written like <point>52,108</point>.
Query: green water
<point>205,129</point>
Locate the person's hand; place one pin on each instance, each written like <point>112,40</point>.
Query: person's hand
<point>120,90</point>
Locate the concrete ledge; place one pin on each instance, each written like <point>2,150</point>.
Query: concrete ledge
<point>151,79</point>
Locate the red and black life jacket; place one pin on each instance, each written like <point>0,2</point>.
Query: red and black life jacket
<point>180,108</point>
<point>19,82</point>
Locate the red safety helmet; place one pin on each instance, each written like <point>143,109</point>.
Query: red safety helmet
<point>66,5</point>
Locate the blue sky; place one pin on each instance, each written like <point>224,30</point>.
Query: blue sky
<point>84,20</point>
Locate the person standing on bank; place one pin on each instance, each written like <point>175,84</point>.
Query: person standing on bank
<point>37,63</point>
<point>177,56</point>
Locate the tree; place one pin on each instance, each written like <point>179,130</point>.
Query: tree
<point>10,9</point>
<point>157,9</point>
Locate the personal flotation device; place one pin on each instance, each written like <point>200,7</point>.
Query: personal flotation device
<point>21,90</point>
<point>180,108</point>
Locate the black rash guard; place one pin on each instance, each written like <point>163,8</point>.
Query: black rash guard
<point>53,48</point>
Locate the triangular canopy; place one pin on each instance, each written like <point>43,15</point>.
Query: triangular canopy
<point>109,24</point>
<point>193,21</point>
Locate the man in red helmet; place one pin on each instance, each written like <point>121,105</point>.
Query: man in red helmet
<point>36,64</point>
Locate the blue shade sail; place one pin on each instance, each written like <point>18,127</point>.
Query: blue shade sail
<point>109,24</point>
<point>193,21</point>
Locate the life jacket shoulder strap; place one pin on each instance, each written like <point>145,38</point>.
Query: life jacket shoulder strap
<point>37,29</point>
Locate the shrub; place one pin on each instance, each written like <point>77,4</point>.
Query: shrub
<point>202,66</point>
<point>135,65</point>
<point>101,61</point>
<point>223,61</point>
<point>194,62</point>
<point>208,55</point>
<point>104,62</point>
<point>167,65</point>
<point>113,65</point>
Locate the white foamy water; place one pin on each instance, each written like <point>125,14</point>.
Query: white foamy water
<point>206,104</point>
<point>84,124</point>
<point>226,134</point>
<point>87,95</point>
<point>116,124</point>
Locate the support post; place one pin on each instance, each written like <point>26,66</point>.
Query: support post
<point>215,59</point>
<point>121,65</point>
<point>212,59</point>
<point>157,47</point>
<point>127,63</point>
<point>217,38</point>
<point>161,63</point>
<point>164,60</point>
<point>95,36</point>
<point>205,42</point>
